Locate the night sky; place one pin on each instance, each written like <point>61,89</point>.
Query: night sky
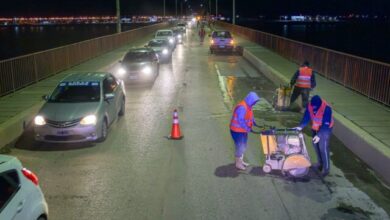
<point>246,8</point>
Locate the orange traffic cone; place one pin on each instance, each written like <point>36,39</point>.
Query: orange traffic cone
<point>175,133</point>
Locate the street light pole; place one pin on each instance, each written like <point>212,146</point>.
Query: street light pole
<point>118,16</point>
<point>216,8</point>
<point>181,8</point>
<point>234,11</point>
<point>164,8</point>
<point>209,7</point>
<point>176,7</point>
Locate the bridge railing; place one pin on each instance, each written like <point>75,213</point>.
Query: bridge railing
<point>368,77</point>
<point>19,72</point>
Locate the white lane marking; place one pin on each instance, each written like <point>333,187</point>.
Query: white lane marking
<point>222,85</point>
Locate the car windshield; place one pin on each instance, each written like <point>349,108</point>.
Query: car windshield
<point>176,31</point>
<point>76,92</point>
<point>164,34</point>
<point>159,43</point>
<point>183,25</point>
<point>136,56</point>
<point>222,34</point>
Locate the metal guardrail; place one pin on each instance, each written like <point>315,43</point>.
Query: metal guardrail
<point>19,72</point>
<point>368,77</point>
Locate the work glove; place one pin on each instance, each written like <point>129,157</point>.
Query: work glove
<point>298,128</point>
<point>316,139</point>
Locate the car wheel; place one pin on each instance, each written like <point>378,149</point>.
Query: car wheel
<point>123,108</point>
<point>103,133</point>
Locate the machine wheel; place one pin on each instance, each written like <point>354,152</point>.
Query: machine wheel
<point>123,108</point>
<point>299,172</point>
<point>103,134</point>
<point>267,168</point>
<point>42,217</point>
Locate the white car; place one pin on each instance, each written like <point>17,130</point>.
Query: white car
<point>166,35</point>
<point>21,197</point>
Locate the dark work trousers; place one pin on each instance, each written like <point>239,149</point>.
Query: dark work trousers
<point>304,92</point>
<point>322,150</point>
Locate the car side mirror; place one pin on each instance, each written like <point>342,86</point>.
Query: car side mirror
<point>109,96</point>
<point>45,97</point>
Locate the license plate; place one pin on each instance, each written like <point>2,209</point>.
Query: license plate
<point>221,46</point>
<point>63,132</point>
<point>134,77</point>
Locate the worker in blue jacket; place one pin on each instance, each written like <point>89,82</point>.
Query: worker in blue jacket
<point>320,115</point>
<point>240,125</point>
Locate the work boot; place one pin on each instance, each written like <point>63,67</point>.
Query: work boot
<point>243,162</point>
<point>239,164</point>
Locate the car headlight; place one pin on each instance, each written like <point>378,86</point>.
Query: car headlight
<point>165,51</point>
<point>121,71</point>
<point>179,36</point>
<point>147,70</point>
<point>88,120</point>
<point>39,120</point>
<point>171,41</point>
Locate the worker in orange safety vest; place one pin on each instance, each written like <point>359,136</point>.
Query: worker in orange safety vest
<point>240,125</point>
<point>321,117</point>
<point>304,81</point>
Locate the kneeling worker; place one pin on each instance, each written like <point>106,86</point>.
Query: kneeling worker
<point>240,125</point>
<point>320,114</point>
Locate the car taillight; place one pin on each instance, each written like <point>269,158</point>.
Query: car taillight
<point>30,175</point>
<point>232,42</point>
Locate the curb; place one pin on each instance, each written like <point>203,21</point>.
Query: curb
<point>361,143</point>
<point>14,127</point>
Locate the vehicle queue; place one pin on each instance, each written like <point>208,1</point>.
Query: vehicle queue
<point>81,108</point>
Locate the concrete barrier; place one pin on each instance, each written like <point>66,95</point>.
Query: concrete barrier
<point>360,142</point>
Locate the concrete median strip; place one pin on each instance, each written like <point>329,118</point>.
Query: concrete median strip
<point>371,150</point>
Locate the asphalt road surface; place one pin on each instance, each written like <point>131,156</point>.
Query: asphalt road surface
<point>137,173</point>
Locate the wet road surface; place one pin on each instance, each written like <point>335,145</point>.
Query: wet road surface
<point>137,173</point>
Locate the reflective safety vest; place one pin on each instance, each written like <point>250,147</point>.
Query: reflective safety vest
<point>316,119</point>
<point>304,77</point>
<point>235,125</point>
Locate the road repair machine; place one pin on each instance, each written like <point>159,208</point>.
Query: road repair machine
<point>285,150</point>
